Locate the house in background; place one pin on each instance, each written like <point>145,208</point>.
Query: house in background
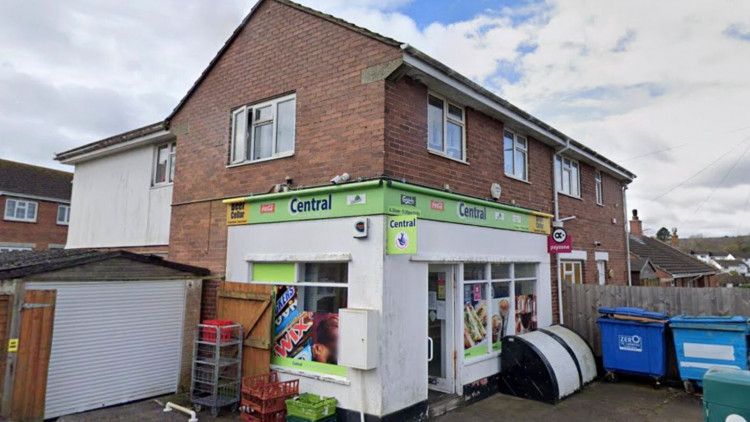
<point>122,192</point>
<point>736,266</point>
<point>643,272</point>
<point>674,267</point>
<point>35,202</point>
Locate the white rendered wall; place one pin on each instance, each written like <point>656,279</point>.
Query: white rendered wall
<point>294,241</point>
<point>114,205</point>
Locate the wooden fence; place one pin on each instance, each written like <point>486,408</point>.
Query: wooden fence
<point>582,301</point>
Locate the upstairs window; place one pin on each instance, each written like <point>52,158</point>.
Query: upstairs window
<point>63,214</point>
<point>19,210</point>
<point>264,131</point>
<point>568,176</point>
<point>445,128</point>
<point>164,164</point>
<point>599,193</point>
<point>515,150</point>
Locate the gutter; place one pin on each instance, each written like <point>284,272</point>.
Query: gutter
<point>38,198</point>
<point>556,222</point>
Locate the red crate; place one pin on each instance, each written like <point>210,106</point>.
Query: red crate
<point>209,333</point>
<point>254,383</point>
<point>272,396</point>
<point>264,417</point>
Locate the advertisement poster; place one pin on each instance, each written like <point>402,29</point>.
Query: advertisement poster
<point>303,339</point>
<point>525,313</point>
<point>401,235</point>
<point>500,320</point>
<point>475,322</point>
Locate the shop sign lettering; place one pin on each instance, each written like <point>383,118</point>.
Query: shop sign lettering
<point>559,241</point>
<point>313,204</point>
<point>267,208</point>
<point>401,235</point>
<point>238,213</point>
<point>409,200</point>
<point>471,211</point>
<point>437,205</point>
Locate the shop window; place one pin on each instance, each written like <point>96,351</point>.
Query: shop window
<point>499,300</point>
<point>445,128</point>
<point>572,271</point>
<point>306,320</point>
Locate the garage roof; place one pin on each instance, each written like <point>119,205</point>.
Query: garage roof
<point>19,264</point>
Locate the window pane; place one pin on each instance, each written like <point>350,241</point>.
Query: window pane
<point>520,142</point>
<point>455,112</point>
<point>500,313</point>
<point>525,270</point>
<point>172,157</point>
<point>240,133</point>
<point>558,173</point>
<point>285,126</point>
<point>525,307</point>
<point>500,271</point>
<point>508,152</point>
<point>474,271</point>
<point>455,141</point>
<point>475,320</point>
<point>520,164</point>
<point>10,208</point>
<point>263,138</point>
<point>160,175</point>
<point>574,180</point>
<point>326,273</point>
<point>435,124</point>
<point>21,210</point>
<point>566,181</point>
<point>60,214</point>
<point>263,113</point>
<point>31,210</point>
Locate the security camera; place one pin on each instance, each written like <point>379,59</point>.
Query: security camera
<point>342,178</point>
<point>597,243</point>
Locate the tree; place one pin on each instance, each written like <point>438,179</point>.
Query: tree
<point>663,234</point>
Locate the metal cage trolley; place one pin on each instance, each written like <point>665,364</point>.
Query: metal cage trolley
<point>217,366</point>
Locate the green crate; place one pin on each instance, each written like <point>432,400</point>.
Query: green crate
<point>331,418</point>
<point>311,407</point>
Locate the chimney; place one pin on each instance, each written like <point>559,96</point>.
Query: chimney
<point>675,239</point>
<point>636,226</point>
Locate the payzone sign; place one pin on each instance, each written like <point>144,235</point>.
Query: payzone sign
<point>401,235</point>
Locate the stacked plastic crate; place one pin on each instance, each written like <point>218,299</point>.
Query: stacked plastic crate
<point>264,397</point>
<point>311,408</point>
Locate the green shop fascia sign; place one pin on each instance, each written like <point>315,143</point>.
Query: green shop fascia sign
<point>381,197</point>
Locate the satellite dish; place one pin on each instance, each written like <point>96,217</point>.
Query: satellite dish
<point>496,190</point>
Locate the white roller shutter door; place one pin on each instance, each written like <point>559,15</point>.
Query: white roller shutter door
<point>113,342</point>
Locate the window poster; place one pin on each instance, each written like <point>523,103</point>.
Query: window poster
<point>303,339</point>
<point>475,321</point>
<point>500,320</point>
<point>525,313</point>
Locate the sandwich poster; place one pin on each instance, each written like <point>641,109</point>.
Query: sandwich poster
<point>475,321</point>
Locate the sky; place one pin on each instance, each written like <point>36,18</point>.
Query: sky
<point>662,88</point>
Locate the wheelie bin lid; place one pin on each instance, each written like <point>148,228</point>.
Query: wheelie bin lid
<point>634,312</point>
<point>731,323</point>
<point>726,386</point>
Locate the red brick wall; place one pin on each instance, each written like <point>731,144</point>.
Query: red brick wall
<point>43,233</point>
<point>339,122</point>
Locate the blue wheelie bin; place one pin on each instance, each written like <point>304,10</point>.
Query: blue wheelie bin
<point>703,342</point>
<point>633,342</point>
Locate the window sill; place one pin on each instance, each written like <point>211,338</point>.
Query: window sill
<point>601,205</point>
<point>263,160</point>
<point>161,185</point>
<point>492,355</point>
<point>570,196</point>
<point>320,377</point>
<point>18,220</point>
<point>62,224</point>
<point>444,155</point>
<point>509,176</point>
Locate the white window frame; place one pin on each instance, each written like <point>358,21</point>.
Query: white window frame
<point>564,169</point>
<point>16,203</point>
<point>446,119</point>
<point>516,148</point>
<point>487,283</point>
<point>599,189</point>
<point>66,220</point>
<point>15,248</point>
<point>564,272</point>
<point>169,171</point>
<point>239,156</point>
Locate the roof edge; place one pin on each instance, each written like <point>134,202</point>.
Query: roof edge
<point>66,156</point>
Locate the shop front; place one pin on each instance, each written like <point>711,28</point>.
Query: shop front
<point>445,276</point>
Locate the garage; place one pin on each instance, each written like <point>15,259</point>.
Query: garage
<point>89,329</point>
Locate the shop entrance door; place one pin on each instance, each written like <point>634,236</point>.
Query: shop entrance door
<point>440,333</point>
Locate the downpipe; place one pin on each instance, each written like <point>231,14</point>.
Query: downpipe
<point>171,406</point>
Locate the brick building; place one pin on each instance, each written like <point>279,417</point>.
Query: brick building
<point>36,207</point>
<point>297,99</point>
